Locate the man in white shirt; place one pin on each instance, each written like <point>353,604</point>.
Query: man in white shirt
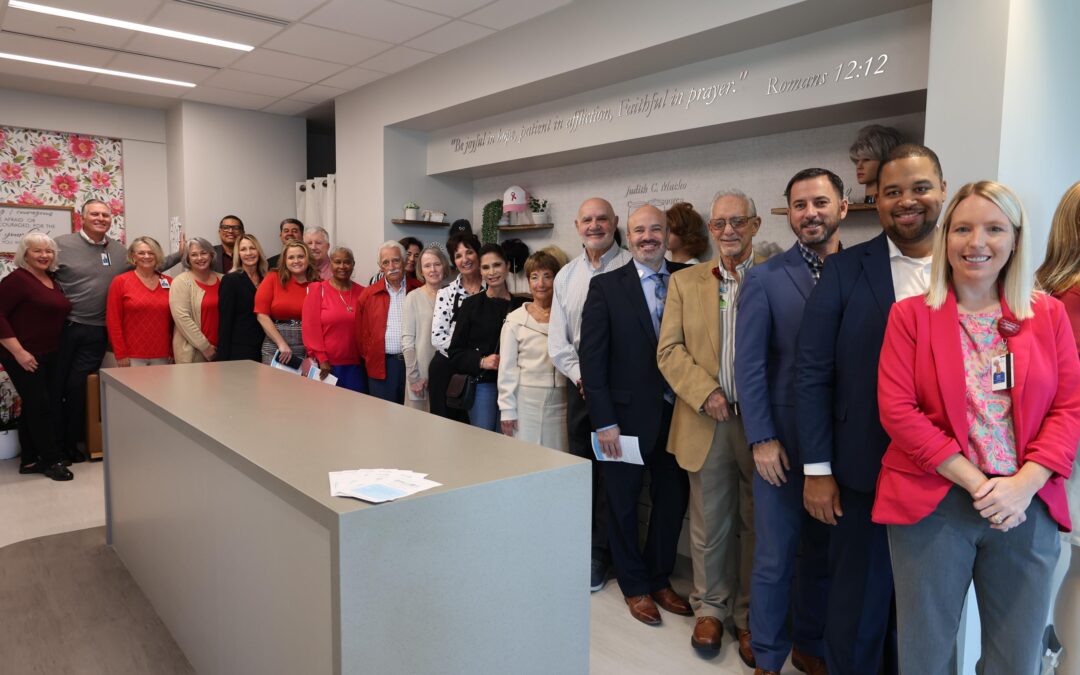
<point>596,224</point>
<point>318,240</point>
<point>839,431</point>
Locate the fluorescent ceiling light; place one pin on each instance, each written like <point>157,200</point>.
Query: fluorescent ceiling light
<point>91,69</point>
<point>129,25</point>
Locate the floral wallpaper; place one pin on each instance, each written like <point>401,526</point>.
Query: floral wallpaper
<point>59,169</point>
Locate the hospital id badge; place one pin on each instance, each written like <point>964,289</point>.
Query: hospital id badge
<point>1001,373</point>
<point>105,259</point>
<point>164,283</point>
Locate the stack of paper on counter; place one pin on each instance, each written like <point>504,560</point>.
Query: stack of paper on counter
<point>378,485</point>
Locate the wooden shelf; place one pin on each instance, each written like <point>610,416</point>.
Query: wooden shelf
<point>429,223</point>
<point>526,226</point>
<point>782,211</point>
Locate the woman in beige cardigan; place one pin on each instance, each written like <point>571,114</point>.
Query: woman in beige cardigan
<point>193,301</point>
<point>532,393</point>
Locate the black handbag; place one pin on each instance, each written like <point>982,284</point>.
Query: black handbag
<point>461,391</point>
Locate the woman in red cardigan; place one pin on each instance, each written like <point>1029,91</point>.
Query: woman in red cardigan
<point>137,314</point>
<point>279,302</point>
<point>979,391</point>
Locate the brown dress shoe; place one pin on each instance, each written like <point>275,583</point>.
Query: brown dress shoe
<point>672,602</point>
<point>811,665</point>
<point>745,652</point>
<point>643,609</point>
<point>707,635</point>
<point>759,671</point>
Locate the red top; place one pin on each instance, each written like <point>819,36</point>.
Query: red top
<point>371,325</point>
<point>32,312</point>
<point>1071,299</point>
<point>280,304</point>
<point>139,321</point>
<point>208,318</point>
<point>330,323</point>
<point>922,398</point>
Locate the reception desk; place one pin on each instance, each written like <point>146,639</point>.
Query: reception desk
<point>219,505</point>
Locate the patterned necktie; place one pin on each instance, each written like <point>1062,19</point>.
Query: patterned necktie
<point>660,291</point>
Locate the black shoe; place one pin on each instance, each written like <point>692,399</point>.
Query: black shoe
<point>58,472</point>
<point>598,576</point>
<point>35,467</point>
<point>77,458</point>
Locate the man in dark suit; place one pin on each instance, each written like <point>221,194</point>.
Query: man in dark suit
<point>626,394</point>
<point>840,434</point>
<point>230,229</point>
<point>790,544</point>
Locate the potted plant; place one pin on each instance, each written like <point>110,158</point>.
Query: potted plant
<point>412,211</point>
<point>10,406</point>
<point>539,208</point>
<point>489,231</point>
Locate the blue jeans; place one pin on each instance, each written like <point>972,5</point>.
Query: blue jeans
<point>392,387</point>
<point>484,412</point>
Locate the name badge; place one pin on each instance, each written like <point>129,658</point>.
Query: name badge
<point>1001,373</point>
<point>105,259</point>
<point>164,283</point>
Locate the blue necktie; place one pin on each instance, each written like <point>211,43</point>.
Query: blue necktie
<point>660,293</point>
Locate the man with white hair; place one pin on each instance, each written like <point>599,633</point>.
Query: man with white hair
<point>318,240</point>
<point>378,324</point>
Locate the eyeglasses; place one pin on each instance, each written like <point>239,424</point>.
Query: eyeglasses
<point>737,223</point>
<point>231,228</point>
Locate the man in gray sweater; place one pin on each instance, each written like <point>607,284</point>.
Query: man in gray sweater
<point>88,263</point>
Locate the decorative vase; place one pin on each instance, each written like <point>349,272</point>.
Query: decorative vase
<point>540,217</point>
<point>412,214</point>
<point>9,444</point>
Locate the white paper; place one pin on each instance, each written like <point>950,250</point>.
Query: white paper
<point>378,485</point>
<point>631,451</point>
<point>330,379</point>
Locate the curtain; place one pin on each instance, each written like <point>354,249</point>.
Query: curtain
<point>316,203</point>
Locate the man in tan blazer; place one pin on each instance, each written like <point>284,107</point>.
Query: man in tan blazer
<point>696,354</point>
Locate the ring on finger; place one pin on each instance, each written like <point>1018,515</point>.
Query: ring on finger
<point>998,519</point>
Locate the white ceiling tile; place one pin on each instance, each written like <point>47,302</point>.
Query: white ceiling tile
<point>145,65</point>
<point>291,66</point>
<point>352,78</point>
<point>45,72</point>
<point>32,23</point>
<point>325,44</point>
<point>56,51</point>
<point>139,86</point>
<point>398,58</point>
<point>447,7</point>
<point>317,93</point>
<point>182,50</point>
<point>450,36</point>
<point>127,10</point>
<point>505,13</point>
<point>377,19</point>
<point>252,83</point>
<point>281,9</point>
<point>210,23</point>
<point>287,107</point>
<point>235,99</point>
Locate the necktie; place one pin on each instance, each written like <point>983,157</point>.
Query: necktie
<point>660,291</point>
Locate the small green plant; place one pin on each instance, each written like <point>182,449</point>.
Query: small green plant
<point>411,205</point>
<point>489,231</point>
<point>537,205</point>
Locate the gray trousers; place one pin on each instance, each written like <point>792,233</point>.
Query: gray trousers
<point>935,560</point>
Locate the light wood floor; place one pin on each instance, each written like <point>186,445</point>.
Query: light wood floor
<point>88,616</point>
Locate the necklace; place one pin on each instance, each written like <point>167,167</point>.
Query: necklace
<point>348,307</point>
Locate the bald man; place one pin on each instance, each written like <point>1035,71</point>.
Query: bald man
<point>596,225</point>
<point>627,396</point>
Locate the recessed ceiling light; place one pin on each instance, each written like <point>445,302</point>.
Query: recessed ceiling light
<point>91,69</point>
<point>129,25</point>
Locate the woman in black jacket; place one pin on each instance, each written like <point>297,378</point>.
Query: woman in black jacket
<point>474,348</point>
<point>239,334</point>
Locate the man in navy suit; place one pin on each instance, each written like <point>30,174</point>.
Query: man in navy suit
<point>789,542</point>
<point>840,434</point>
<point>626,395</point>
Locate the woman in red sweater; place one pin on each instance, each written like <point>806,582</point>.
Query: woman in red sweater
<point>279,302</point>
<point>330,323</point>
<point>137,314</point>
<point>32,313</point>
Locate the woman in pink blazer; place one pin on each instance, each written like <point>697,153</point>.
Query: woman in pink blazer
<point>979,391</point>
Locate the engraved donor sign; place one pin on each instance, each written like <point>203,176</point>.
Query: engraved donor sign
<point>16,221</point>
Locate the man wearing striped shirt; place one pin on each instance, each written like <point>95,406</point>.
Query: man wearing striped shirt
<point>696,354</point>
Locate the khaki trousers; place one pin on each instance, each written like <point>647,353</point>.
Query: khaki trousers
<point>722,526</point>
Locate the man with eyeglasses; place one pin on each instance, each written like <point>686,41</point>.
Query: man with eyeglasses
<point>696,354</point>
<point>791,547</point>
<point>230,229</point>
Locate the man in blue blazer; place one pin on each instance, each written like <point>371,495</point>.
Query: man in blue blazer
<point>789,542</point>
<point>626,395</point>
<point>839,431</point>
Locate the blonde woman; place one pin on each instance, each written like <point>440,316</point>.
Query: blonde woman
<point>240,337</point>
<point>279,302</point>
<point>979,392</point>
<point>193,301</point>
<point>137,313</point>
<point>416,346</point>
<point>1060,277</point>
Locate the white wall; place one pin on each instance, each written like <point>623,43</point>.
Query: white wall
<point>236,162</point>
<point>142,131</point>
